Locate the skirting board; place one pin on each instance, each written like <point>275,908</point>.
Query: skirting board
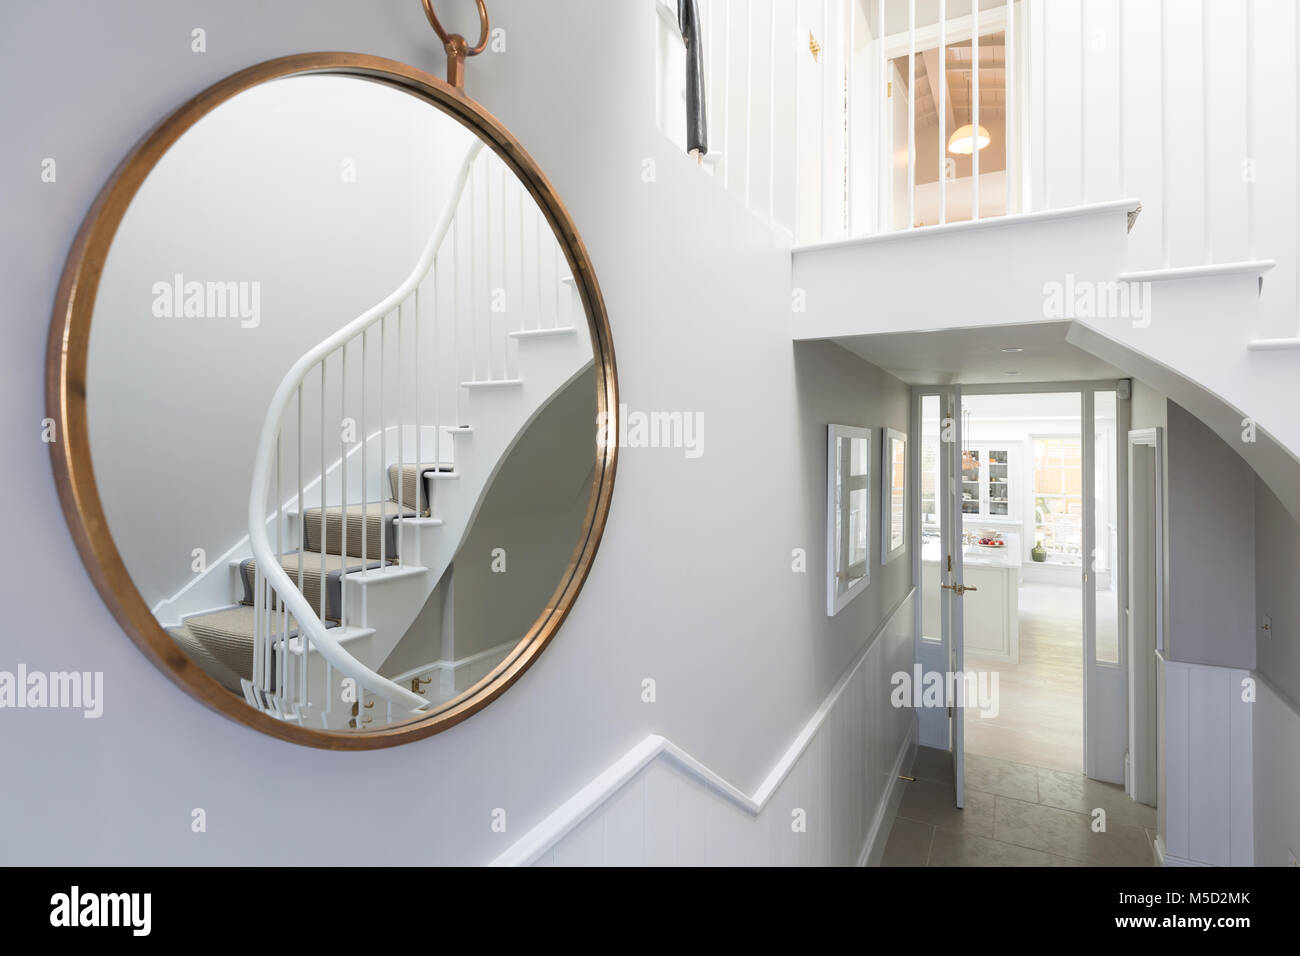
<point>1168,859</point>
<point>570,814</point>
<point>873,847</point>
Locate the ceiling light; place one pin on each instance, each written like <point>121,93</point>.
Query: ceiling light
<point>1011,373</point>
<point>961,141</point>
<point>1013,350</point>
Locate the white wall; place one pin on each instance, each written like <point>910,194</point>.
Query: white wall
<point>692,584</point>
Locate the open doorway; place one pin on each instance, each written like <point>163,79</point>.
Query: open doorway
<point>1040,515</point>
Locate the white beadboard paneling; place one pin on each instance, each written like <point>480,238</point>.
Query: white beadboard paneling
<point>659,805</point>
<point>624,818</point>
<point>585,846</point>
<point>1276,776</point>
<point>1208,793</point>
<point>659,812</point>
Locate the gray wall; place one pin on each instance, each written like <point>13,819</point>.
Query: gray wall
<point>1277,592</point>
<point>1211,531</point>
<point>693,583</point>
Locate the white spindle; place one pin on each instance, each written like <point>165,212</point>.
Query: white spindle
<point>1083,102</point>
<point>455,317</point>
<point>401,450</point>
<point>771,113</point>
<point>343,478</point>
<point>821,110</point>
<point>419,418</point>
<point>283,624</point>
<point>383,451</point>
<point>1206,112</point>
<point>749,95</point>
<point>883,161</point>
<point>302,501</point>
<point>1119,100</point>
<point>795,134</point>
<point>473,284</point>
<point>1164,135</point>
<point>975,109</point>
<point>850,122</point>
<point>911,113</point>
<point>1250,127</point>
<point>943,111</point>
<point>537,249</point>
<point>1010,101</point>
<point>726,94</point>
<point>365,481</point>
<point>1043,97</point>
<point>555,278</point>
<point>323,548</point>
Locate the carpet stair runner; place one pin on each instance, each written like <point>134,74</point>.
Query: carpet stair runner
<point>222,641</point>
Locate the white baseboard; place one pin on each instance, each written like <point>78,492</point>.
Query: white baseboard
<point>873,847</point>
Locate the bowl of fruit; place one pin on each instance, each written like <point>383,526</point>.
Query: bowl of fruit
<point>991,539</point>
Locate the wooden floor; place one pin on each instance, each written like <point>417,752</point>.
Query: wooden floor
<point>1040,715</point>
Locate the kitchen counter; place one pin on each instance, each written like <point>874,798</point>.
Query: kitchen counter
<point>991,612</point>
<point>979,555</point>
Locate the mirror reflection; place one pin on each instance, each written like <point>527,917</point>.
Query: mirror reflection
<point>341,399</point>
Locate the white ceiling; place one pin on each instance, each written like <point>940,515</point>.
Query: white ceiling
<point>975,356</point>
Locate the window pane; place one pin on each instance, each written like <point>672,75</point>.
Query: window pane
<point>1106,480</point>
<point>1058,498</point>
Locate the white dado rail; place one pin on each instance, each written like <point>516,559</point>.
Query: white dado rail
<point>1206,787</point>
<point>658,805</point>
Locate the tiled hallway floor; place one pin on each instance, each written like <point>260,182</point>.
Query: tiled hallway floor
<point>1015,815</point>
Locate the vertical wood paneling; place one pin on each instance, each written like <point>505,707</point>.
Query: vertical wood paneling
<point>1208,766</point>
<point>1208,798</point>
<point>624,819</point>
<point>660,815</point>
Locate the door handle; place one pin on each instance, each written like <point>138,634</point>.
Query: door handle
<point>959,588</point>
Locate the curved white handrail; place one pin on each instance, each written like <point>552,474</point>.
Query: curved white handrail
<point>309,624</point>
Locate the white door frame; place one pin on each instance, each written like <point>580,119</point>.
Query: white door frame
<point>1146,478</point>
<point>1104,684</point>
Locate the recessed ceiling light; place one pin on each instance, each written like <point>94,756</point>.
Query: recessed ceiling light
<point>1011,373</point>
<point>1013,350</point>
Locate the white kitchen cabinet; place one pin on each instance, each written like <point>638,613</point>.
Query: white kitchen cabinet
<point>989,482</point>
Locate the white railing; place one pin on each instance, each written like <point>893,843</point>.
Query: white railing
<point>393,376</point>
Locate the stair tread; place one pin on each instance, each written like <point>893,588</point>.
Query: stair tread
<point>493,383</point>
<point>412,489</point>
<point>542,333</point>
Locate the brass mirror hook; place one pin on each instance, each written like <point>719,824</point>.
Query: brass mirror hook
<point>457,46</point>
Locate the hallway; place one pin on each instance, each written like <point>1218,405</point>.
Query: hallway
<point>1015,815</point>
<point>1040,716</point>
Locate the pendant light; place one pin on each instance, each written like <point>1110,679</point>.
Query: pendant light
<point>962,141</point>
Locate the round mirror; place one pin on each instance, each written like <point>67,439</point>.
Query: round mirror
<point>329,361</point>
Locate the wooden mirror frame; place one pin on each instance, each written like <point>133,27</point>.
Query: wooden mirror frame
<point>65,396</point>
